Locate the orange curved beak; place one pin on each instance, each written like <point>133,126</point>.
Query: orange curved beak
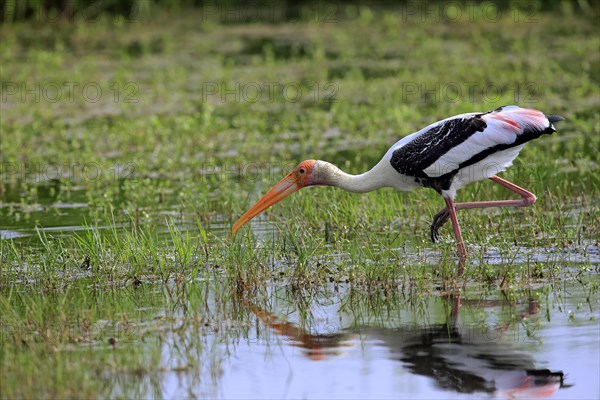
<point>280,191</point>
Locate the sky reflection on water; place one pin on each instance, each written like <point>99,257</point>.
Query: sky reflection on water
<point>488,346</point>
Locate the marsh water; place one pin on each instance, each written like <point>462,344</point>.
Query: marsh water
<point>336,340</point>
<point>340,346</point>
<point>538,343</point>
<point>344,343</point>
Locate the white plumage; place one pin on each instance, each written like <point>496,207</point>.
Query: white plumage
<point>444,156</point>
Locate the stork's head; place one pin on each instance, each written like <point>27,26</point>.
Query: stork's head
<point>307,173</point>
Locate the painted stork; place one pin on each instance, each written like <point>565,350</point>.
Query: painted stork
<point>444,156</point>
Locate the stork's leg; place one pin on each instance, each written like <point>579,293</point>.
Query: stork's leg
<point>455,307</point>
<point>527,199</point>
<point>462,252</point>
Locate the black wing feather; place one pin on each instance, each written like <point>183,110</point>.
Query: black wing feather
<point>414,157</point>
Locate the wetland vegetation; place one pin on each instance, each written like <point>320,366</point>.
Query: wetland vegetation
<point>129,148</point>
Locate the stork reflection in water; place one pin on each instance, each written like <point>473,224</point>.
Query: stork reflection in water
<point>463,359</point>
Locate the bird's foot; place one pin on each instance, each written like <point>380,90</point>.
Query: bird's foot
<point>439,219</point>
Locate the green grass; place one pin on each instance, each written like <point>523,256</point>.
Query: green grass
<point>160,171</point>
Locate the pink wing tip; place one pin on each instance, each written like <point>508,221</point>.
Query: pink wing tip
<point>507,120</point>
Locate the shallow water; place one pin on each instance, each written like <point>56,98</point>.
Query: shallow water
<point>344,344</point>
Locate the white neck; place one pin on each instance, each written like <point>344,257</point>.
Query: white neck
<point>367,182</point>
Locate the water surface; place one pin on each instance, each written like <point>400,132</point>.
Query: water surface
<point>540,343</point>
